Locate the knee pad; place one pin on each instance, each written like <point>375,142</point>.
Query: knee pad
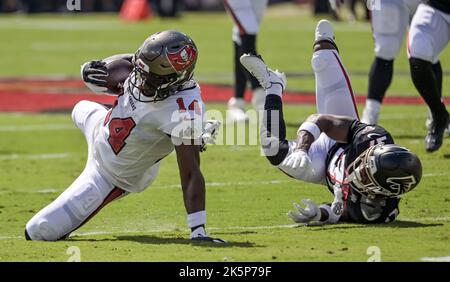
<point>83,110</point>
<point>84,203</point>
<point>79,112</point>
<point>387,47</point>
<point>420,46</point>
<point>39,229</point>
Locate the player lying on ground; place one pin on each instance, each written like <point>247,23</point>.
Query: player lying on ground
<point>359,163</point>
<point>159,110</point>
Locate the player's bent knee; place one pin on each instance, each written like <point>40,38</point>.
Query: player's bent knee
<point>274,150</point>
<point>387,48</point>
<point>319,61</point>
<point>84,203</point>
<point>276,160</point>
<point>79,112</point>
<point>421,49</point>
<point>40,229</point>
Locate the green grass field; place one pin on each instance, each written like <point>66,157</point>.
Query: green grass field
<point>247,199</point>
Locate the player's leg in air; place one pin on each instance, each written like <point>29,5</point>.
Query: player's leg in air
<point>247,15</point>
<point>334,95</point>
<point>389,25</point>
<point>89,193</point>
<point>429,34</point>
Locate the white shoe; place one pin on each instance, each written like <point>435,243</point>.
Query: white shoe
<point>324,31</point>
<point>236,110</point>
<point>371,113</point>
<point>370,117</point>
<point>265,76</point>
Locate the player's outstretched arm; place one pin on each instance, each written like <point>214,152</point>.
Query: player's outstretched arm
<point>312,214</point>
<point>193,185</point>
<point>336,127</point>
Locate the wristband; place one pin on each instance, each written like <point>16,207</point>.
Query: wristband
<point>310,127</point>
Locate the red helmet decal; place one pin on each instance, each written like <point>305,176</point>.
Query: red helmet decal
<point>183,58</point>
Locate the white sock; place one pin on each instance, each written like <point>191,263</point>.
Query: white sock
<point>371,111</point>
<point>275,89</point>
<point>196,219</point>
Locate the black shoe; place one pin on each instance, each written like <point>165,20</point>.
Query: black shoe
<point>27,237</point>
<point>435,136</point>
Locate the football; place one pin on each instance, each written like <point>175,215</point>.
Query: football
<point>118,71</point>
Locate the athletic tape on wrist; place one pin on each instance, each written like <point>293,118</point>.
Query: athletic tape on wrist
<point>311,127</point>
<point>196,219</point>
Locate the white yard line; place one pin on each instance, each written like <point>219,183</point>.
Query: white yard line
<point>37,127</point>
<point>161,230</point>
<point>435,219</point>
<point>434,174</point>
<point>35,156</point>
<point>54,46</point>
<point>221,184</point>
<point>436,259</point>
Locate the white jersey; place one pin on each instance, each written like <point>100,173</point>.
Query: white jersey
<point>135,135</point>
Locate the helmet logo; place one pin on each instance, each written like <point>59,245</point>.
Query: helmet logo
<point>143,66</point>
<point>399,185</point>
<point>183,58</point>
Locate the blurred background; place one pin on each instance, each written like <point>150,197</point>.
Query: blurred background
<point>163,8</point>
<point>50,40</point>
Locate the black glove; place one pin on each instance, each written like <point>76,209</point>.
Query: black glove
<point>94,75</point>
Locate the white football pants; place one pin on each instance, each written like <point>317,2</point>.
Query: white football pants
<point>247,16</point>
<point>88,193</point>
<point>334,95</point>
<point>389,25</point>
<point>429,33</point>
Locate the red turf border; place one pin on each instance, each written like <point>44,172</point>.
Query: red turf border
<point>44,95</point>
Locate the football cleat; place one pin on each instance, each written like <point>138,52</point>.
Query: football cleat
<point>371,112</point>
<point>265,76</point>
<point>435,135</point>
<point>324,31</point>
<point>429,123</point>
<point>236,112</point>
<point>200,235</point>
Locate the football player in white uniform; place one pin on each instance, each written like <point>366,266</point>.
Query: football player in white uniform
<point>359,163</point>
<point>247,16</point>
<point>159,110</point>
<point>390,20</point>
<point>428,36</point>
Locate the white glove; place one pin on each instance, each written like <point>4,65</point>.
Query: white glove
<point>306,215</point>
<point>210,131</point>
<point>298,159</point>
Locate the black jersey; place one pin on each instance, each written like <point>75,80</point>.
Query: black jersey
<point>441,5</point>
<point>359,208</point>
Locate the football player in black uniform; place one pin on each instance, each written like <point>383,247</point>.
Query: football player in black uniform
<point>428,36</point>
<point>359,163</point>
